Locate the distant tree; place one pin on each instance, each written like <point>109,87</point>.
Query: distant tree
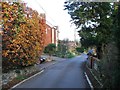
<point>50,49</point>
<point>80,49</point>
<point>62,48</point>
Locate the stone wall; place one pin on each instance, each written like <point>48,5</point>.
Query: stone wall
<point>6,77</point>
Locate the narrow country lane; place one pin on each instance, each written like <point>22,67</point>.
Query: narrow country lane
<point>66,74</point>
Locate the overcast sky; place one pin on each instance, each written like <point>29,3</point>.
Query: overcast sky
<point>55,15</point>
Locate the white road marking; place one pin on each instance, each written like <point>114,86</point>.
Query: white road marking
<point>27,79</point>
<point>91,86</point>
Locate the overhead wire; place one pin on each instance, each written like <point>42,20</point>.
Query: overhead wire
<point>45,12</point>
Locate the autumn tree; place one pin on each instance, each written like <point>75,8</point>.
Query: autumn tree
<point>23,36</point>
<point>12,16</point>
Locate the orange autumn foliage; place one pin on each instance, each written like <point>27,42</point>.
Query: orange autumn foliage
<point>23,36</point>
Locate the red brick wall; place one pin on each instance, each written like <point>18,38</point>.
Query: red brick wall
<point>48,35</point>
<point>54,36</point>
<point>51,35</point>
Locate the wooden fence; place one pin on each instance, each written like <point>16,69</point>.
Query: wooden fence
<point>94,66</point>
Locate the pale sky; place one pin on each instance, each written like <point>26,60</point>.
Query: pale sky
<point>55,15</point>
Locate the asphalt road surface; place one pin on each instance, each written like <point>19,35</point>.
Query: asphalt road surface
<point>65,74</point>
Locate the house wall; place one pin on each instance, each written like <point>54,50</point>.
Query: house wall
<point>48,39</point>
<point>51,35</point>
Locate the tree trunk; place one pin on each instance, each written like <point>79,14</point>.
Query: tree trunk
<point>99,52</point>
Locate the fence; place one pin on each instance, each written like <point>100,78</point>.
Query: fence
<point>93,64</point>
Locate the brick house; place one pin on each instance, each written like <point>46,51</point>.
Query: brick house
<point>52,34</point>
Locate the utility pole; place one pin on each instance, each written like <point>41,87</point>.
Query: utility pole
<point>75,37</point>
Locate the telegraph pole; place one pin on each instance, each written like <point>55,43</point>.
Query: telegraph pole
<point>75,36</point>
